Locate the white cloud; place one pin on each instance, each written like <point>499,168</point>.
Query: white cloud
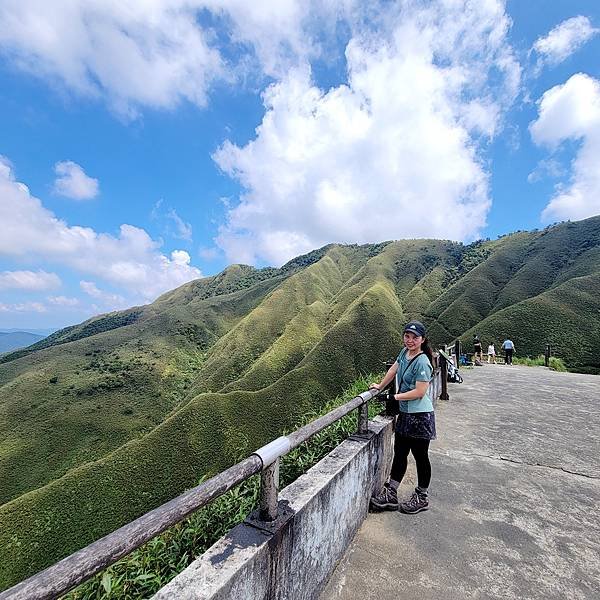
<point>208,253</point>
<point>108,299</point>
<point>272,29</point>
<point>131,261</point>
<point>183,230</point>
<point>156,53</point>
<point>63,301</point>
<point>33,281</point>
<point>23,307</point>
<point>572,112</point>
<point>549,167</point>
<point>134,53</point>
<point>391,154</point>
<point>564,39</point>
<point>72,181</point>
<point>174,225</point>
<point>180,257</point>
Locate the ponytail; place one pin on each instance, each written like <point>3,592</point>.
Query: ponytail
<point>426,349</point>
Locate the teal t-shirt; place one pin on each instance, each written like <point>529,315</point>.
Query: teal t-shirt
<point>406,379</point>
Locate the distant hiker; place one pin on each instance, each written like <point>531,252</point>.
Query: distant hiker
<point>491,354</point>
<point>415,426</point>
<point>477,350</point>
<point>509,349</point>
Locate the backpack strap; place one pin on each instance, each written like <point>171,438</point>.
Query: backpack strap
<point>410,362</point>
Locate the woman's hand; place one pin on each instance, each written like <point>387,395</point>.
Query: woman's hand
<point>375,386</point>
<point>415,394</point>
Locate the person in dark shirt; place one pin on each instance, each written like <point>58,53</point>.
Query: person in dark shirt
<point>477,349</point>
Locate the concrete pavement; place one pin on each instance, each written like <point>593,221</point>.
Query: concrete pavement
<point>515,498</point>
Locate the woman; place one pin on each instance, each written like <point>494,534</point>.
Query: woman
<point>415,426</point>
<point>491,353</point>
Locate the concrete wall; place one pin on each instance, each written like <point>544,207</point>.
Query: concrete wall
<point>293,558</point>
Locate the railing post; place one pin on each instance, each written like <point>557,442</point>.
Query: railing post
<point>457,353</point>
<point>363,418</point>
<point>444,374</point>
<point>547,356</point>
<point>269,487</point>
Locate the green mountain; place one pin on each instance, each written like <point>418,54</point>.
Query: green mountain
<point>105,420</point>
<point>17,339</point>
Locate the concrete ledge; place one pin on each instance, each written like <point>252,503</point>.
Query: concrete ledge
<point>293,559</point>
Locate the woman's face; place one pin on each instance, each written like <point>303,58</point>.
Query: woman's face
<point>412,341</point>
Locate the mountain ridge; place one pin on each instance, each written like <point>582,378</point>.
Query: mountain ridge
<point>13,340</point>
<point>126,410</point>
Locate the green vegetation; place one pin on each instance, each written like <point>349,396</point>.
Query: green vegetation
<point>467,258</point>
<point>146,570</point>
<point>106,420</point>
<point>564,316</point>
<point>206,430</point>
<point>71,334</point>
<point>555,364</point>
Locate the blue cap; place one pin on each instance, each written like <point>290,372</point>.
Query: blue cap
<point>415,327</point>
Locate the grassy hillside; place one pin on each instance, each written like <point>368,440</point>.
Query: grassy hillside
<point>102,421</point>
<point>205,435</point>
<point>76,401</point>
<point>562,317</point>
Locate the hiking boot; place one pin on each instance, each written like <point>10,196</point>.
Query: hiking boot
<point>417,503</point>
<point>387,499</point>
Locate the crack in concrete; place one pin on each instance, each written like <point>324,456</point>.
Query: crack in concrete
<point>517,462</point>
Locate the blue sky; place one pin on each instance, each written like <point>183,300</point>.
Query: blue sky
<point>147,143</point>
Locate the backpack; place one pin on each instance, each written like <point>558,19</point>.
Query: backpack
<point>453,374</point>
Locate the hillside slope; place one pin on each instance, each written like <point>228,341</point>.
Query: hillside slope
<point>102,421</point>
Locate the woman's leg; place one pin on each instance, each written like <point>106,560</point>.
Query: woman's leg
<point>387,499</point>
<point>402,447</point>
<point>420,499</point>
<point>420,450</point>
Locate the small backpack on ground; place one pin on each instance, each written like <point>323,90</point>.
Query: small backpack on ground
<point>453,374</point>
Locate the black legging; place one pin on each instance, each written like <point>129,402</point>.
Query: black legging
<point>419,448</point>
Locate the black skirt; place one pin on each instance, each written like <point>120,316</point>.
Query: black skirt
<point>416,425</point>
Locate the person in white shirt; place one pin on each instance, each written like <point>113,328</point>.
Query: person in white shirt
<point>491,354</point>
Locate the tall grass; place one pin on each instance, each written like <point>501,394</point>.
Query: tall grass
<point>147,569</point>
<point>556,364</point>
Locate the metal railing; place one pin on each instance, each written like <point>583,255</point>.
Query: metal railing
<point>73,570</point>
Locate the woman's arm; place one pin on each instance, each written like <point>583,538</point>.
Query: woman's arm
<point>416,394</point>
<point>387,378</point>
